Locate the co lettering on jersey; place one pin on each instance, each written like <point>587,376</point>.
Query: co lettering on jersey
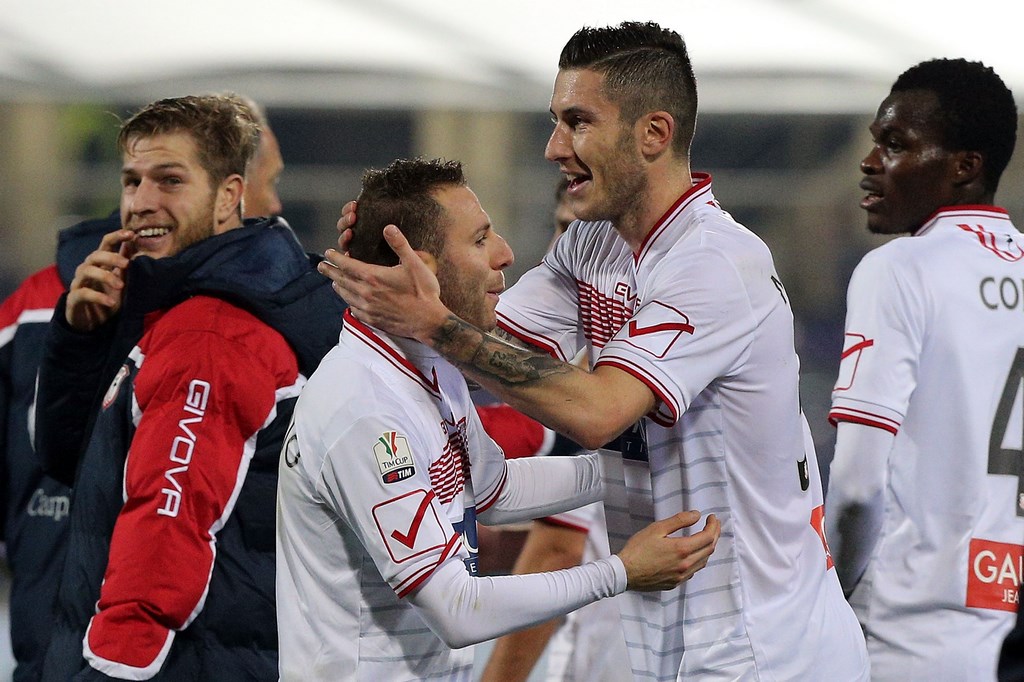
<point>184,444</point>
<point>994,573</point>
<point>52,506</point>
<point>1004,293</point>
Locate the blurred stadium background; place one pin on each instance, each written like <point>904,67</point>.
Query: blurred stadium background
<point>787,90</point>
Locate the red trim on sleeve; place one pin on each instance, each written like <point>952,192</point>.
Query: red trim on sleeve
<point>485,504</point>
<point>562,523</point>
<point>539,342</point>
<point>659,391</point>
<point>412,583</point>
<point>845,414</point>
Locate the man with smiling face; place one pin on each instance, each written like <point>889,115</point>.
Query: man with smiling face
<point>925,513</point>
<point>169,373</point>
<point>387,468</point>
<point>36,505</point>
<point>690,341</point>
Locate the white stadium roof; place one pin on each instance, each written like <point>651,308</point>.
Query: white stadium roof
<point>749,55</point>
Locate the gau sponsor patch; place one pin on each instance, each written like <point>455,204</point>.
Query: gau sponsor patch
<point>394,458</point>
<point>994,575</point>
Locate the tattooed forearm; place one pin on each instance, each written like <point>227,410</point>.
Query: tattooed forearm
<point>486,356</point>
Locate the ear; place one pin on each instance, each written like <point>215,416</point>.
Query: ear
<point>968,168</point>
<point>429,260</point>
<point>227,209</point>
<point>656,130</point>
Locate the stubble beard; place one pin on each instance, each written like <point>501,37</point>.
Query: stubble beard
<point>626,186</point>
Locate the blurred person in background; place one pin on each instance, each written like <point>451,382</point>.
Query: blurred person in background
<point>925,511</point>
<point>168,375</point>
<point>35,506</point>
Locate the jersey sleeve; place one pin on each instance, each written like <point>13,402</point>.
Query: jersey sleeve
<point>694,324</point>
<point>202,399</point>
<point>884,333</point>
<point>464,610</point>
<point>377,477</point>
<point>541,309</point>
<point>540,486</point>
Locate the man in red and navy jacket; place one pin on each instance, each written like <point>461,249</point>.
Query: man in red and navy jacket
<point>168,378</point>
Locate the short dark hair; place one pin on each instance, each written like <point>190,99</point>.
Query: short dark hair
<point>646,68</point>
<point>975,112</point>
<point>403,194</point>
<point>224,127</point>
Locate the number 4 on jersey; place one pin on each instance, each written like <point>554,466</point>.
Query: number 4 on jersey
<point>1010,414</point>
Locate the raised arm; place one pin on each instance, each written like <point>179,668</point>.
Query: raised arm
<point>590,407</point>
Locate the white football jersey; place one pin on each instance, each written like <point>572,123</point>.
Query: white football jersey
<point>372,498</point>
<point>700,316</point>
<point>934,353</point>
<point>589,647</point>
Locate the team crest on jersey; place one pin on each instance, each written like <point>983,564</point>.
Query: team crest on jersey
<point>394,458</point>
<point>111,395</point>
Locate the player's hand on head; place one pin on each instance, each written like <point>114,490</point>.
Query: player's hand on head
<point>403,300</point>
<point>97,290</point>
<point>655,561</point>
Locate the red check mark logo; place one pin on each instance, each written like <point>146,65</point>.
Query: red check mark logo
<point>637,330</point>
<point>409,538</point>
<point>866,343</point>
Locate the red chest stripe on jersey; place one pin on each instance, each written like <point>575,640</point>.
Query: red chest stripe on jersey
<point>602,316</point>
<point>382,348</point>
<point>988,240</point>
<point>446,474</point>
<point>994,573</point>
